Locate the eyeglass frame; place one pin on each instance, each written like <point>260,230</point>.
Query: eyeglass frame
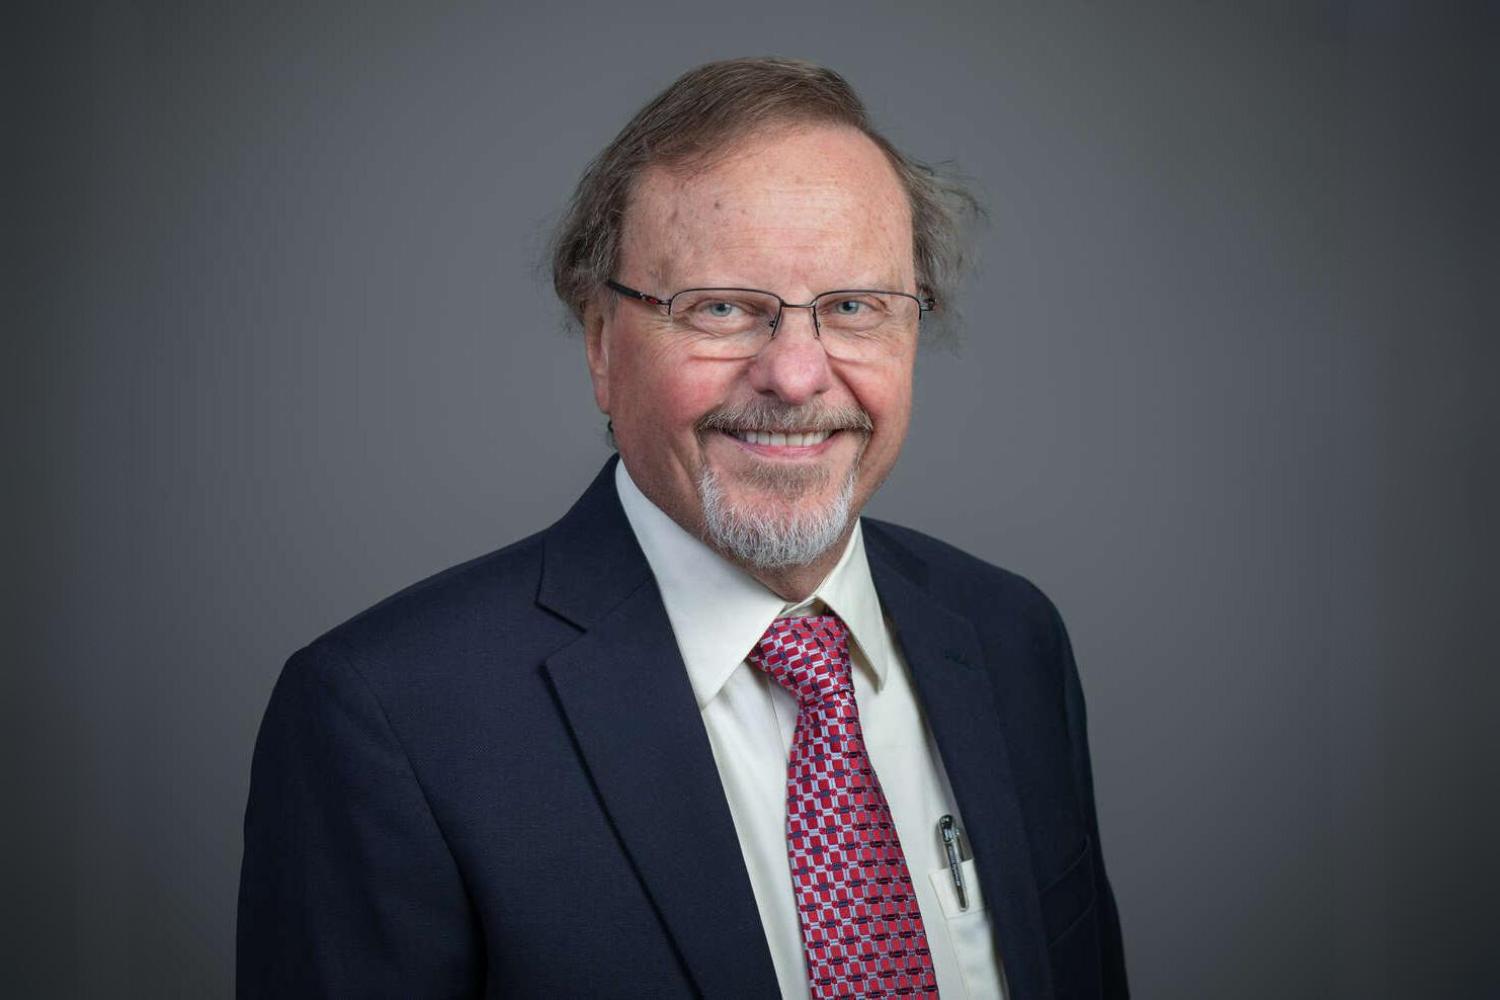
<point>924,305</point>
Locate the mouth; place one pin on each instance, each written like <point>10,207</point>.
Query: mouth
<point>787,433</point>
<point>804,445</point>
<point>779,439</point>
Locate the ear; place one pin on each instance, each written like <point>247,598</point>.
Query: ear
<point>596,346</point>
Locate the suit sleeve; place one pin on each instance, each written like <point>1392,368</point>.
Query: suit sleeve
<point>347,886</point>
<point>1111,944</point>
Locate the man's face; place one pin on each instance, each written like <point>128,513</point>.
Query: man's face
<point>796,211</point>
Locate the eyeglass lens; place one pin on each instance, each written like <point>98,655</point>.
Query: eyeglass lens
<point>730,322</point>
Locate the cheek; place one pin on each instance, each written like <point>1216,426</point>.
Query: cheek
<point>886,396</point>
<point>667,393</point>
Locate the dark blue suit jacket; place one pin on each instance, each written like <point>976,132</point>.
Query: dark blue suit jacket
<point>497,782</point>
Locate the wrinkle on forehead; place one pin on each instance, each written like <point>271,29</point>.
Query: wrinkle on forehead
<point>811,204</point>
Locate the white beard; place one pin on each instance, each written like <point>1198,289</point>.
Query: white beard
<point>774,540</point>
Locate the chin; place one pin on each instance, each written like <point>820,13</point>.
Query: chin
<point>792,520</point>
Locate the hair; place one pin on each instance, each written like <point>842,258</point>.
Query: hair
<point>691,120</point>
<point>774,540</point>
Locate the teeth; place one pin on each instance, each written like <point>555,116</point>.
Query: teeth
<point>783,440</point>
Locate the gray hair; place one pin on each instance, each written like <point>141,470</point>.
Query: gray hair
<point>690,120</point>
<point>769,541</point>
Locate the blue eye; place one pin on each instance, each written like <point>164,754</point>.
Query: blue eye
<point>720,310</point>
<point>849,307</point>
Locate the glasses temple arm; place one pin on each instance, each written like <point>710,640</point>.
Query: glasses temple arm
<point>632,293</point>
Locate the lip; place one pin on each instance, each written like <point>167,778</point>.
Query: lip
<point>785,451</point>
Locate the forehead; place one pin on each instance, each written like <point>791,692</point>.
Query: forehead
<point>790,208</point>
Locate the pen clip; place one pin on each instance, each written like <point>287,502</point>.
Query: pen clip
<point>949,831</point>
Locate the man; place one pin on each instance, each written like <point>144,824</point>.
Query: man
<point>709,734</point>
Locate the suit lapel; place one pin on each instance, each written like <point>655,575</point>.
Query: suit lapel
<point>946,661</point>
<point>628,701</point>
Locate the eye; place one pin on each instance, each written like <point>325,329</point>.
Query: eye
<point>853,309</point>
<point>718,310</point>
<point>725,312</point>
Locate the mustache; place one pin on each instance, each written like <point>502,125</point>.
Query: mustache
<point>776,417</point>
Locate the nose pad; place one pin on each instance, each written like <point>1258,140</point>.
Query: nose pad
<point>790,368</point>
<point>775,322</point>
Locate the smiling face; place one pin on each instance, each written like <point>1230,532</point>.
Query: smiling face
<point>767,457</point>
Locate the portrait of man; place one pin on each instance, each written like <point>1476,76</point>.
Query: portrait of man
<point>713,732</point>
<point>573,500</point>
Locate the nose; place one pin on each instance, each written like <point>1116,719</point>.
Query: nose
<point>792,366</point>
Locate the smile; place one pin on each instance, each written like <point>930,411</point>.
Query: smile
<point>780,440</point>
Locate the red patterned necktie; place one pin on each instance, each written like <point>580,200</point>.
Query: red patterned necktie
<point>861,927</point>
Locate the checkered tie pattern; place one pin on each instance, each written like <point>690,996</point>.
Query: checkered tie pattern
<point>861,927</point>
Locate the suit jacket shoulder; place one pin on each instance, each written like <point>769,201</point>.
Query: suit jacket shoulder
<point>493,592</point>
<point>463,789</point>
<point>989,595</point>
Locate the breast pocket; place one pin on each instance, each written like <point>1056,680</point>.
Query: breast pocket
<point>1069,914</point>
<point>969,930</point>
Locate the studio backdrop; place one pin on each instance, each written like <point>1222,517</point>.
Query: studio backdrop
<point>279,341</point>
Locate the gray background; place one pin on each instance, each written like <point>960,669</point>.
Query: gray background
<point>277,346</point>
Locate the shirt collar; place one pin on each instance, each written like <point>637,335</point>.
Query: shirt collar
<point>719,612</point>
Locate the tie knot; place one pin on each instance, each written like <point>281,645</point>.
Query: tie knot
<point>809,656</point>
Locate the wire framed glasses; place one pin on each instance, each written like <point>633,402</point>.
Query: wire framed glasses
<point>851,323</point>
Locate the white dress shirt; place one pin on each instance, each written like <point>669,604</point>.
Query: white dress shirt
<point>718,613</point>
